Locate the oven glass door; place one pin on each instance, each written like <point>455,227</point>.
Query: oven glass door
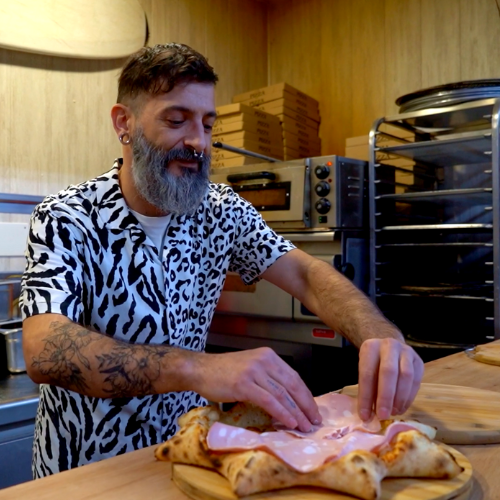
<point>285,199</point>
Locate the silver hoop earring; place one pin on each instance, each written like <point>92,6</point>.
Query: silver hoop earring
<point>122,139</point>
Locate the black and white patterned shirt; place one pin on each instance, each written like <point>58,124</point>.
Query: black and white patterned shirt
<point>89,259</point>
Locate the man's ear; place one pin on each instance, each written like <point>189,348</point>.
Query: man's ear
<point>121,116</point>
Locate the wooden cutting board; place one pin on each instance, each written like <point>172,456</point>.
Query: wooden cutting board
<point>462,415</point>
<point>204,484</point>
<point>485,353</point>
<point>99,29</point>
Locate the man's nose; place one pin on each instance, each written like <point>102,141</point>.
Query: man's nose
<point>197,137</point>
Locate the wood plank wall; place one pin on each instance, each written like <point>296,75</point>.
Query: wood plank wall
<point>357,56</point>
<point>55,128</point>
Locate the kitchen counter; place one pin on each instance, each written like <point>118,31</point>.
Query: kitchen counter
<point>138,475</point>
<point>18,398</point>
<point>18,405</point>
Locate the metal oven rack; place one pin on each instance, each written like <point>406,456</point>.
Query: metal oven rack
<point>434,241</point>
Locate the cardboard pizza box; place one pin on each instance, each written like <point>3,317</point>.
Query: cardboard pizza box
<point>250,124</point>
<point>358,148</point>
<point>275,151</point>
<point>291,99</point>
<point>263,138</point>
<point>275,136</point>
<point>305,150</point>
<point>301,151</point>
<point>291,138</point>
<point>305,122</point>
<point>234,112</point>
<point>280,108</point>
<point>276,89</point>
<point>298,128</point>
<point>292,154</point>
<point>276,107</point>
<point>260,116</point>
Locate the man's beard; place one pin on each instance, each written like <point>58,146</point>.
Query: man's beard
<point>169,193</point>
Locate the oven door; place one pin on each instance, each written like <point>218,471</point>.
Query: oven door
<point>281,192</point>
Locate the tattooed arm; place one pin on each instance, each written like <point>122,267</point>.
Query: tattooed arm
<point>60,352</point>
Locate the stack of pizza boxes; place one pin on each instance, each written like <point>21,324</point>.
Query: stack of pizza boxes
<point>246,128</point>
<point>297,112</point>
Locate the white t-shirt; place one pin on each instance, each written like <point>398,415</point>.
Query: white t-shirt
<point>154,227</point>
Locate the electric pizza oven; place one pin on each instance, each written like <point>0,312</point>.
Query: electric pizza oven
<point>319,204</point>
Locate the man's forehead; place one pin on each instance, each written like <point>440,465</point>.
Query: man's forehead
<point>186,95</point>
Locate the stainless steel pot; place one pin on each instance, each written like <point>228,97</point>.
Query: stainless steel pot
<point>12,331</point>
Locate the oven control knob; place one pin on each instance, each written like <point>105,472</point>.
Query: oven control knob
<point>322,171</point>
<point>323,206</point>
<point>322,188</point>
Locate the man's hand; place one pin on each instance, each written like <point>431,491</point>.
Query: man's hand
<point>389,377</point>
<point>261,377</point>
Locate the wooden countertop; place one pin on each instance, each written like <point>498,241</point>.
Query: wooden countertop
<point>138,475</point>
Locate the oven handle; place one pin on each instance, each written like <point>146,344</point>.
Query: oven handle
<point>305,236</point>
<point>244,152</point>
<point>250,176</point>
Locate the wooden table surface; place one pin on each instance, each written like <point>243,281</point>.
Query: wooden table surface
<point>138,475</point>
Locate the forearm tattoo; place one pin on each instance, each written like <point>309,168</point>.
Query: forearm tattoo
<point>129,370</point>
<point>61,359</point>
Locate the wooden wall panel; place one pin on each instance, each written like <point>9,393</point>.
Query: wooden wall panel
<point>440,41</point>
<point>372,52</point>
<point>403,53</point>
<point>336,73</point>
<point>55,127</point>
<point>480,48</point>
<point>295,41</point>
<point>354,56</point>
<point>231,33</point>
<point>368,63</point>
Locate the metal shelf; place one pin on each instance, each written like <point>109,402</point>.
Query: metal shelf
<point>446,152</point>
<point>477,113</point>
<point>439,227</point>
<point>447,220</point>
<point>468,194</point>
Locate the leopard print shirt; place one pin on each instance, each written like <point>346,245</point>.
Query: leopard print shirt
<point>89,259</point>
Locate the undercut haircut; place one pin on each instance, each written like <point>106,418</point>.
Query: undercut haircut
<point>156,70</point>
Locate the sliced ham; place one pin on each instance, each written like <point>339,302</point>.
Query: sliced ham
<point>340,432</point>
<point>339,417</point>
<point>301,453</point>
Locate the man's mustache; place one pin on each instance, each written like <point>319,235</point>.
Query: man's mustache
<point>181,154</point>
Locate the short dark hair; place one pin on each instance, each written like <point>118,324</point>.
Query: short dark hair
<point>155,70</point>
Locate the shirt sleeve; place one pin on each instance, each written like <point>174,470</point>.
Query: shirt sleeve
<point>256,246</point>
<point>52,281</point>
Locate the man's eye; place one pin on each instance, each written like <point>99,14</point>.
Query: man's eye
<point>176,122</point>
<point>208,127</point>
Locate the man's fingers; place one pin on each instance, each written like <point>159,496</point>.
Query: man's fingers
<point>263,398</point>
<point>291,392</point>
<point>418,372</point>
<point>387,378</point>
<point>369,360</point>
<point>404,383</point>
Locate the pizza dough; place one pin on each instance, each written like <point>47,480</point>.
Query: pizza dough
<point>359,472</point>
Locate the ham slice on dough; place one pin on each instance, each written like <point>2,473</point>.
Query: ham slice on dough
<point>340,432</point>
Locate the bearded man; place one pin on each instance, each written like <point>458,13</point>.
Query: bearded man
<point>124,273</point>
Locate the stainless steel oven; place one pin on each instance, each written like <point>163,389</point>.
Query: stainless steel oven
<point>320,204</point>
